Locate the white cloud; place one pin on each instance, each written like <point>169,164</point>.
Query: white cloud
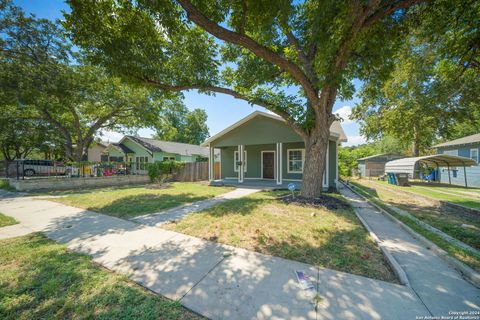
<point>354,140</point>
<point>110,136</point>
<point>344,113</point>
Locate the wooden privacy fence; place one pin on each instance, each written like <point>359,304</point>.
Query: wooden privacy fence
<point>192,171</point>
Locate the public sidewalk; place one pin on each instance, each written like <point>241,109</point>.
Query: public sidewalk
<point>177,213</point>
<point>217,281</point>
<point>440,288</point>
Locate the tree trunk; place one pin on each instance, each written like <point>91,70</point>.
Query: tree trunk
<point>316,144</point>
<point>415,144</point>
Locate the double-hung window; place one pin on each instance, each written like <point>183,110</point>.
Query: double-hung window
<point>236,159</point>
<point>474,154</point>
<point>296,159</point>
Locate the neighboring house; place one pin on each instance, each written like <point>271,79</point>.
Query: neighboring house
<point>263,147</point>
<point>141,151</point>
<point>374,166</point>
<point>95,152</point>
<point>468,147</point>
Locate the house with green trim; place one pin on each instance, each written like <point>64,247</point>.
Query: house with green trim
<point>262,149</point>
<point>141,151</point>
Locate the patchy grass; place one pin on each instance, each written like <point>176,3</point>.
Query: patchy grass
<point>6,220</point>
<point>463,226</point>
<point>40,279</point>
<point>468,197</point>
<point>327,238</point>
<point>470,258</point>
<point>136,201</point>
<point>5,185</point>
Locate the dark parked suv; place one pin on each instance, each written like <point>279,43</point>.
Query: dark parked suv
<point>31,168</point>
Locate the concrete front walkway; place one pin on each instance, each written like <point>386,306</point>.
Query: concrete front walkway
<point>217,281</point>
<point>177,213</point>
<point>439,287</point>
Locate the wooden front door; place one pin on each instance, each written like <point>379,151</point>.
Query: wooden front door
<point>268,160</point>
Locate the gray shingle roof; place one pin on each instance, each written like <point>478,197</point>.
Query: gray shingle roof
<point>183,149</point>
<point>122,148</point>
<point>474,138</point>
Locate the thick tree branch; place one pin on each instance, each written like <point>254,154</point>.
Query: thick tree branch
<point>209,88</point>
<point>305,59</point>
<point>389,8</point>
<point>195,15</point>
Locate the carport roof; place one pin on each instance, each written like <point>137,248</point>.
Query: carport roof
<point>407,165</point>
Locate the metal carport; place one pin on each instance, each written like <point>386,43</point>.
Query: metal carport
<point>407,165</point>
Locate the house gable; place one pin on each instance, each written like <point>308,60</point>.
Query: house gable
<point>258,130</point>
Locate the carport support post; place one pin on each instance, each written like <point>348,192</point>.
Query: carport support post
<point>465,175</point>
<point>449,179</point>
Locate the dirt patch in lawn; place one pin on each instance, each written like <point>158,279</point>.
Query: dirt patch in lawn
<point>324,201</point>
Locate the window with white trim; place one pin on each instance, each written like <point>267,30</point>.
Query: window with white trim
<point>295,160</point>
<point>474,154</point>
<point>236,160</point>
<point>453,152</point>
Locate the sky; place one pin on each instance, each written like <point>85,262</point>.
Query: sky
<point>222,110</point>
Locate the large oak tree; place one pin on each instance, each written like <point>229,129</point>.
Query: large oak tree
<point>253,50</point>
<point>47,86</point>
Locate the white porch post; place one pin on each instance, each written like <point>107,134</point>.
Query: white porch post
<point>279,164</point>
<point>211,164</point>
<point>241,158</point>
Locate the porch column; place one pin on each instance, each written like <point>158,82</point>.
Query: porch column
<point>279,164</point>
<point>211,164</point>
<point>241,158</point>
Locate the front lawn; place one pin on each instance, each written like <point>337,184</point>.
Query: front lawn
<point>468,197</point>
<point>6,220</point>
<point>40,279</point>
<point>331,238</point>
<point>136,201</point>
<point>464,227</point>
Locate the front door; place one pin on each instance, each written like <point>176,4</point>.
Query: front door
<point>268,160</point>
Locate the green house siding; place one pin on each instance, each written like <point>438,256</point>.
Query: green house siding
<point>226,165</point>
<point>332,163</point>
<point>286,147</point>
<point>259,134</point>
<point>114,152</point>
<point>259,130</point>
<point>138,150</point>
<point>254,161</point>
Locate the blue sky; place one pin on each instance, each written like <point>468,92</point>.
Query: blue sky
<point>222,110</point>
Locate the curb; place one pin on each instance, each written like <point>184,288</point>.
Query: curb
<point>469,274</point>
<point>397,269</point>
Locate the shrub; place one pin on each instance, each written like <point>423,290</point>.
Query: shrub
<point>161,171</point>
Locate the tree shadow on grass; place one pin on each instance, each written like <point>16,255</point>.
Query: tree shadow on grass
<point>52,283</point>
<point>137,205</point>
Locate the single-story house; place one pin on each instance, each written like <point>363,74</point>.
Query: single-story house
<point>140,151</point>
<point>262,148</point>
<point>468,147</point>
<point>374,166</point>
